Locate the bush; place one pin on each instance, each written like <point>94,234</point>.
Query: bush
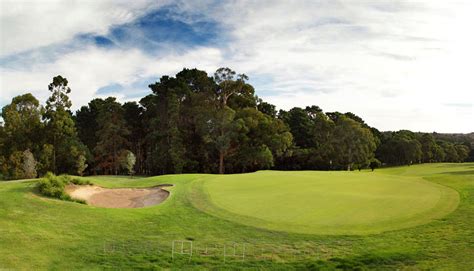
<point>77,181</point>
<point>374,163</point>
<point>53,186</point>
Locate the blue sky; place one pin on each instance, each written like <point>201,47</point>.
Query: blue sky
<point>398,64</point>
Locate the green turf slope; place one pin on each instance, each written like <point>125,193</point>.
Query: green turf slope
<point>37,233</point>
<point>328,202</point>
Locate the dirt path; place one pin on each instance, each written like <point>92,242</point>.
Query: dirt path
<point>119,197</point>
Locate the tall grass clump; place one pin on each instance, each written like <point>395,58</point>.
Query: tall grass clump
<point>54,186</point>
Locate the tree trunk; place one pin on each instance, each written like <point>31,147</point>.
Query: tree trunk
<point>54,154</point>
<point>114,158</point>
<point>221,162</point>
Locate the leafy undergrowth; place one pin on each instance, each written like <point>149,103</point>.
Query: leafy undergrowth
<point>54,186</point>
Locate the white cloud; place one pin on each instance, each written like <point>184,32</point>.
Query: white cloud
<point>399,65</point>
<point>27,24</point>
<point>394,65</point>
<point>93,68</point>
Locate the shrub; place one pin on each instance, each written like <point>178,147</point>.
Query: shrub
<point>53,186</point>
<point>77,181</point>
<point>374,163</point>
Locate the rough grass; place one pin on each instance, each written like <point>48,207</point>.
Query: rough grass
<point>39,233</point>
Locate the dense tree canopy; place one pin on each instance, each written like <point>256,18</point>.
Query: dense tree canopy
<point>60,128</point>
<point>194,122</point>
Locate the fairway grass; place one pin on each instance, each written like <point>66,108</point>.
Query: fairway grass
<point>328,202</point>
<point>421,218</point>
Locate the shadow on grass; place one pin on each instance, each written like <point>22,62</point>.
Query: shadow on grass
<point>463,172</point>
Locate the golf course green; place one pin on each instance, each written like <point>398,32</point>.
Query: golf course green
<point>329,202</point>
<point>408,218</point>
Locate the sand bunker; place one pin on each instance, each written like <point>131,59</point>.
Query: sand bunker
<point>119,197</point>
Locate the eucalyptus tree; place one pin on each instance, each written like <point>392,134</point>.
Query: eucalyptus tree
<point>21,131</point>
<point>229,84</point>
<point>22,125</point>
<point>352,143</point>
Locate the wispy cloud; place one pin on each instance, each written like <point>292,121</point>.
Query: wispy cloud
<point>394,63</point>
<point>462,105</point>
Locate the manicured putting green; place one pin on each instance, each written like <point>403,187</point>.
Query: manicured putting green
<point>327,202</point>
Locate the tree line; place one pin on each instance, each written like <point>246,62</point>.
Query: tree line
<point>193,122</point>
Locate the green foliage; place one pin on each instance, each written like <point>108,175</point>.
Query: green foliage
<point>352,143</point>
<point>87,122</point>
<point>19,137</point>
<point>15,166</point>
<point>462,151</point>
<point>428,148</point>
<point>302,127</point>
<point>60,127</point>
<point>374,163</point>
<point>168,150</point>
<point>400,148</point>
<point>77,181</point>
<point>22,124</point>
<point>196,123</point>
<point>111,137</point>
<point>54,186</point>
<point>267,108</point>
<point>81,164</point>
<point>133,115</point>
<point>3,167</point>
<point>45,160</point>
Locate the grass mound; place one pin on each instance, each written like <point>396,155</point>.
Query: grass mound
<point>54,186</point>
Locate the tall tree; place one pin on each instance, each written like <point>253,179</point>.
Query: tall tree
<point>133,115</point>
<point>228,84</point>
<point>196,109</point>
<point>312,130</point>
<point>223,132</point>
<point>22,124</point>
<point>86,122</point>
<point>400,148</point>
<point>167,143</point>
<point>428,145</point>
<point>462,151</point>
<point>259,142</point>
<point>353,144</point>
<point>301,126</point>
<point>21,131</point>
<point>111,136</point>
<point>267,108</point>
<point>60,126</point>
